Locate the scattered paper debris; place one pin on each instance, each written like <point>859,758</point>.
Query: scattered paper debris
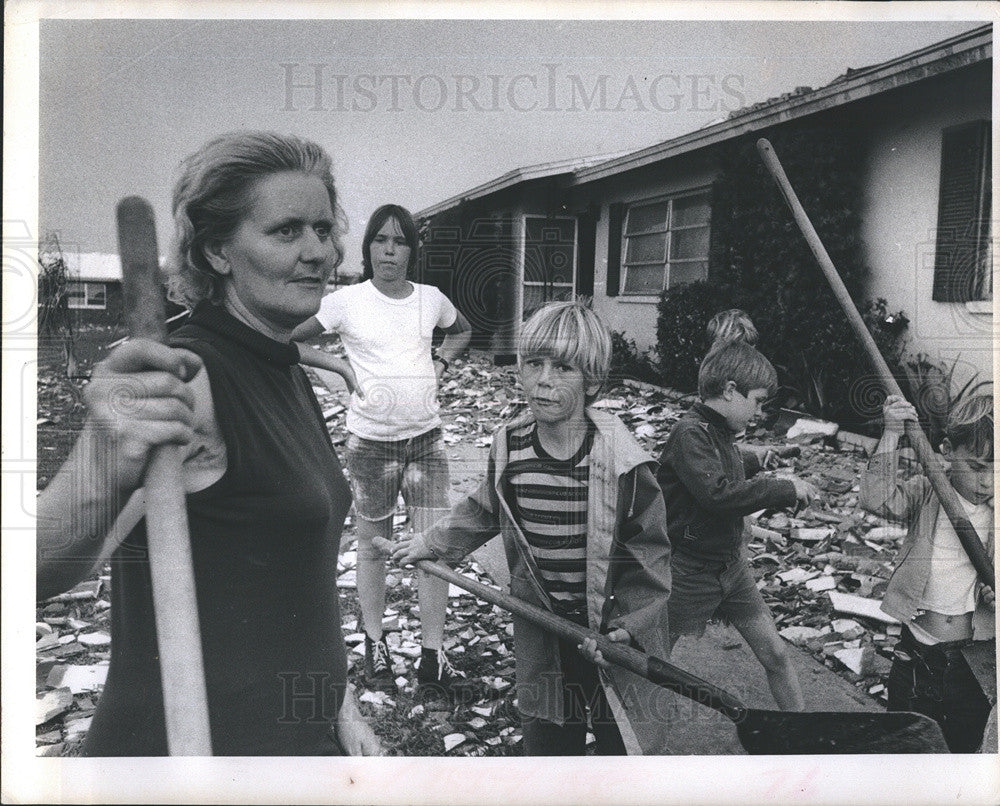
<point>453,740</point>
<point>853,659</point>
<point>94,639</point>
<point>797,575</point>
<point>811,535</point>
<point>859,606</point>
<point>799,635</point>
<point>78,679</point>
<point>805,428</point>
<point>377,698</point>
<point>52,704</point>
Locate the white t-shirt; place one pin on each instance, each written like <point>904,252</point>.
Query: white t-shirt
<point>388,342</point>
<point>952,583</point>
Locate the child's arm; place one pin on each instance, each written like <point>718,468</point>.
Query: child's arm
<point>312,357</point>
<point>309,328</point>
<point>881,494</point>
<point>764,457</point>
<point>641,561</point>
<point>456,339</point>
<point>694,459</point>
<point>469,524</point>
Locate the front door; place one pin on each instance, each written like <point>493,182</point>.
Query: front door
<point>550,257</point>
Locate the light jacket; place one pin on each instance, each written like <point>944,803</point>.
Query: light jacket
<point>627,583</point>
<point>914,503</point>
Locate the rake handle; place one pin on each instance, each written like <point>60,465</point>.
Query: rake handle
<point>925,454</point>
<point>175,603</point>
<point>651,668</point>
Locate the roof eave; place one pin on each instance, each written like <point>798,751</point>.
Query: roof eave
<point>970,48</point>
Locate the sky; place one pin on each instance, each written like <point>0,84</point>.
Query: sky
<point>412,111</point>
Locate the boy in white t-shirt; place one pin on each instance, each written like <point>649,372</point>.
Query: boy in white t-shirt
<point>386,324</point>
<point>933,589</point>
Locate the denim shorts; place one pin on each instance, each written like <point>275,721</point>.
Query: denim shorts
<point>705,590</point>
<point>380,470</point>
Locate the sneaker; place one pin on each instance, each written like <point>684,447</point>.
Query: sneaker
<point>436,676</point>
<point>378,666</point>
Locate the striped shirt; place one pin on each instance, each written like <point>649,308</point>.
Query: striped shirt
<point>548,499</point>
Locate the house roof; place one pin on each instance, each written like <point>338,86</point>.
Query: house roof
<point>950,54</point>
<point>96,266</point>
<point>855,84</point>
<point>515,177</point>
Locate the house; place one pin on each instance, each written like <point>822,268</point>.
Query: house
<point>626,228</point>
<point>93,288</point>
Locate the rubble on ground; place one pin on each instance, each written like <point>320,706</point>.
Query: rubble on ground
<point>822,571</point>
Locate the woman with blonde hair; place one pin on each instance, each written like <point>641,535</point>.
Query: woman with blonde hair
<point>258,233</point>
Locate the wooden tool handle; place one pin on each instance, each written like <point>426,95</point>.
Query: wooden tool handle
<point>185,702</point>
<point>932,467</point>
<point>647,666</point>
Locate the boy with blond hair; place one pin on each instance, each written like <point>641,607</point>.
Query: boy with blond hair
<point>582,520</point>
<point>708,487</point>
<point>933,589</point>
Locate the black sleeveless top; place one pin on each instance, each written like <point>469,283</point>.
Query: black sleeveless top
<point>264,539</point>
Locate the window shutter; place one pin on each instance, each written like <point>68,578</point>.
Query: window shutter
<point>717,249</point>
<point>616,213</point>
<point>963,211</point>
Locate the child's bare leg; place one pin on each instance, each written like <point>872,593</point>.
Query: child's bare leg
<point>432,591</point>
<point>760,633</point>
<point>371,574</point>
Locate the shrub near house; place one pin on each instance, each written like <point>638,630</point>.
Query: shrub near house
<point>768,271</point>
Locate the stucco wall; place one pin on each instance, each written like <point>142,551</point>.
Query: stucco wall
<point>900,216</point>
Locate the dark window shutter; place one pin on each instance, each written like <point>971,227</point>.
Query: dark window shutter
<point>963,212</point>
<point>616,214</point>
<point>717,249</point>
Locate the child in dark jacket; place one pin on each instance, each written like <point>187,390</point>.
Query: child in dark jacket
<point>933,589</point>
<point>707,488</point>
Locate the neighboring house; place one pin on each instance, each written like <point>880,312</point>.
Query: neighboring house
<point>624,229</point>
<point>94,288</point>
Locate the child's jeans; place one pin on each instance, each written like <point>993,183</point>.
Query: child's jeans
<point>581,687</point>
<point>937,681</point>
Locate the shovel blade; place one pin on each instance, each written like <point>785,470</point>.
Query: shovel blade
<point>825,732</point>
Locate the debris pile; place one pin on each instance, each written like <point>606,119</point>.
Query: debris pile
<point>822,571</point>
<point>72,650</point>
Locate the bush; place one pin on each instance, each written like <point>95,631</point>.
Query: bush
<point>628,362</point>
<point>683,313</point>
<point>834,378</point>
<point>762,264</point>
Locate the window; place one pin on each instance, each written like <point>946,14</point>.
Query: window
<point>86,295</point>
<point>962,258</point>
<point>666,243</point>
